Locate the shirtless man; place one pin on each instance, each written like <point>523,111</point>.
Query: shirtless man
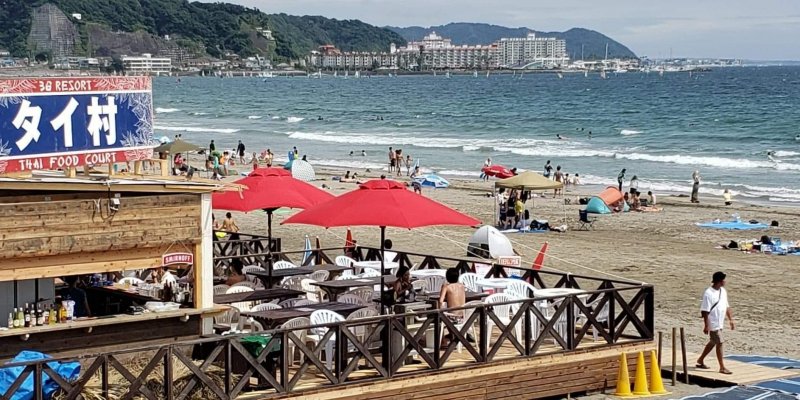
<point>453,293</point>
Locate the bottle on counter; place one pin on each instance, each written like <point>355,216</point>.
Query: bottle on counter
<point>51,316</point>
<point>11,321</point>
<point>19,319</point>
<point>39,316</point>
<point>27,316</point>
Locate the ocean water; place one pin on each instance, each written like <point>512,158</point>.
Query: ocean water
<point>661,128</point>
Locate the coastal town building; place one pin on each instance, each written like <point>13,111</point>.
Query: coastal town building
<point>532,51</point>
<point>434,52</point>
<point>146,64</point>
<point>437,52</point>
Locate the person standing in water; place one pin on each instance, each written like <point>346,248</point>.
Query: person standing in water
<point>695,186</point>
<point>621,178</point>
<point>547,169</point>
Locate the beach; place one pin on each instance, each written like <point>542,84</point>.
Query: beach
<point>664,248</point>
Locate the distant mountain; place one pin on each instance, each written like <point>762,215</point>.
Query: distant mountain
<point>211,28</point>
<point>593,42</point>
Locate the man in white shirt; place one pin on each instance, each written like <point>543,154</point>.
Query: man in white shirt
<point>714,309</point>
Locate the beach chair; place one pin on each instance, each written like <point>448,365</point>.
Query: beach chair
<point>292,282</point>
<point>587,222</point>
<point>322,317</point>
<point>344,261</point>
<point>361,330</point>
<point>229,318</point>
<point>303,302</point>
<point>252,268</point>
<point>420,285</point>
<point>299,328</point>
<point>248,284</point>
<point>520,289</point>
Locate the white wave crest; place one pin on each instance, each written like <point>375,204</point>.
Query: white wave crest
<point>292,120</point>
<point>253,117</point>
<point>355,164</point>
<point>193,129</point>
<point>197,113</point>
<point>719,162</point>
<point>629,132</point>
<point>160,110</point>
<point>450,172</point>
<point>275,117</point>
<point>782,153</point>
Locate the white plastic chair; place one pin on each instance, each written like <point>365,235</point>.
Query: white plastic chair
<point>239,289</point>
<point>370,273</point>
<point>361,330</point>
<point>131,281</point>
<point>470,281</point>
<point>321,317</point>
<point>601,316</point>
<point>389,256</point>
<point>365,293</point>
<point>312,291</point>
<point>265,307</point>
<point>520,288</point>
<point>292,282</point>
<point>420,284</point>
<point>248,284</point>
<point>230,317</point>
<point>288,303</point>
<point>221,289</point>
<point>467,315</point>
<point>299,327</point>
<point>434,282</point>
<point>252,268</point>
<point>344,261</point>
<point>320,276</point>
<point>303,302</point>
<point>503,312</point>
<point>283,265</point>
<point>350,298</point>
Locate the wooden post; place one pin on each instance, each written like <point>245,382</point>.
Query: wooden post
<point>71,172</point>
<point>137,167</point>
<point>660,346</point>
<point>674,355</point>
<point>204,263</point>
<point>683,354</point>
<point>111,169</point>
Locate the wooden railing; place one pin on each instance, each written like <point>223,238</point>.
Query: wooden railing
<point>354,342</point>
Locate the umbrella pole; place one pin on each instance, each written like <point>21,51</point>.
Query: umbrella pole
<point>269,242</point>
<point>383,258</point>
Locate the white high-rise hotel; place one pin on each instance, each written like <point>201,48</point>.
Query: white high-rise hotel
<point>532,50</point>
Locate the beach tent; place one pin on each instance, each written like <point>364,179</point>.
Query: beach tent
<point>434,181</point>
<point>596,205</point>
<point>528,181</point>
<point>488,242</point>
<point>303,171</point>
<point>611,196</point>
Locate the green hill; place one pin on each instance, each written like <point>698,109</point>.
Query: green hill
<point>214,26</point>
<point>592,42</point>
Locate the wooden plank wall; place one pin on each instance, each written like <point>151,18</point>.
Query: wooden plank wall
<point>540,377</point>
<point>73,226</point>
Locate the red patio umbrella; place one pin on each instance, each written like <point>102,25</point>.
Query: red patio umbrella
<point>382,203</point>
<point>269,189</point>
<point>498,171</point>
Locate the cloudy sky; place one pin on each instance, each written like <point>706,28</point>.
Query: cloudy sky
<point>752,29</point>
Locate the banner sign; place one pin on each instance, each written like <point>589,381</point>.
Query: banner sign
<point>509,261</point>
<point>57,123</point>
<point>177,258</point>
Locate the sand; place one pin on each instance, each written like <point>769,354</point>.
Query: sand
<point>665,249</point>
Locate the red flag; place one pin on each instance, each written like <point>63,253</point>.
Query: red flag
<point>539,261</point>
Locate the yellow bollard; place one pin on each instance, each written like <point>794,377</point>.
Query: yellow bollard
<point>640,381</point>
<point>656,384</point>
<point>623,380</point>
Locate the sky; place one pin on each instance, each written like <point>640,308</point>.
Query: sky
<point>748,29</point>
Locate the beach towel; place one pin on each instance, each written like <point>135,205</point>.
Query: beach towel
<point>732,225</point>
<point>69,371</point>
<point>525,231</point>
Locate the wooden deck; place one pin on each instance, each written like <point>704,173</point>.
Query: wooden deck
<point>743,373</point>
<point>591,369</point>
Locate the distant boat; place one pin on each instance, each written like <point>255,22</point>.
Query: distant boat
<point>475,74</point>
<point>620,71</point>
<point>560,75</point>
<point>447,75</point>
<point>603,74</point>
<point>586,73</point>
<point>335,74</point>
<point>358,74</point>
<point>434,73</point>
<point>487,74</point>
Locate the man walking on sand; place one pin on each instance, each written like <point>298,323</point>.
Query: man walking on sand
<point>714,310</point>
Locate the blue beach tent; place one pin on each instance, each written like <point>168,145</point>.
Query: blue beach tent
<point>596,205</point>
